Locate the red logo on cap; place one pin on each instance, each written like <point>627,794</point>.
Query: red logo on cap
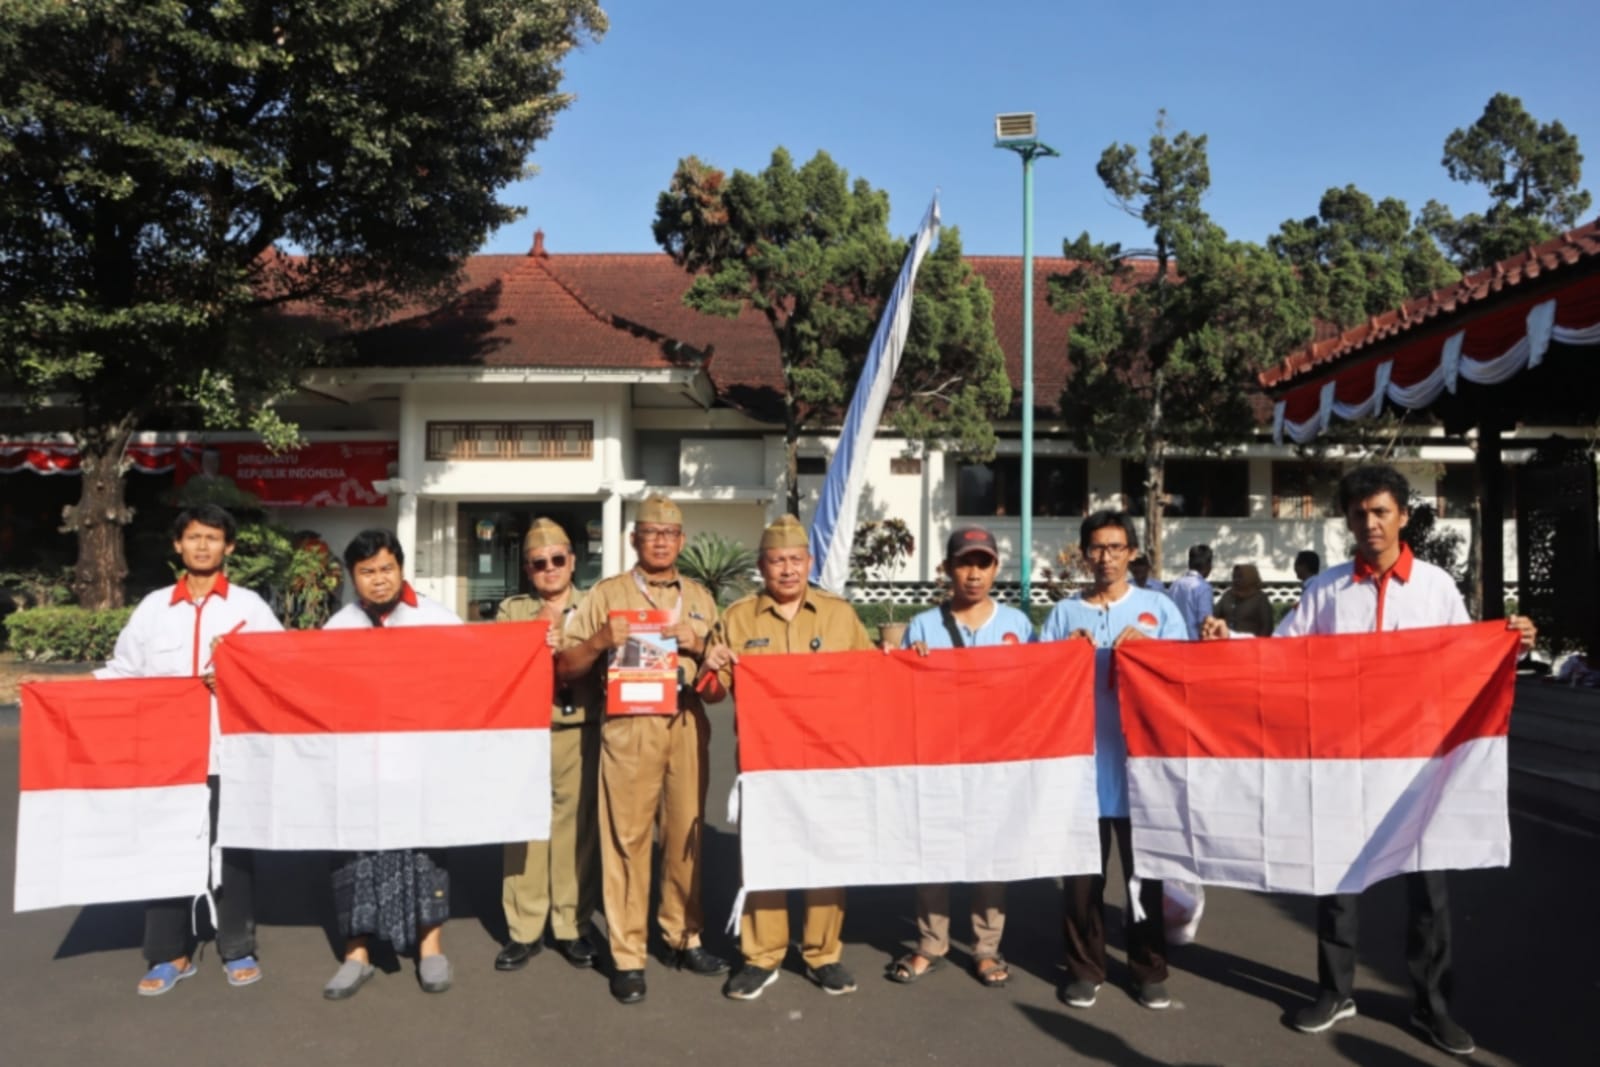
<point>1147,620</point>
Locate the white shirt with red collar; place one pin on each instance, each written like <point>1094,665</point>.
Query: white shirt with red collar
<point>412,609</point>
<point>1352,599</point>
<point>169,635</point>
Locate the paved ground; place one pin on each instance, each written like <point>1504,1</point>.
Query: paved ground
<point>1526,986</point>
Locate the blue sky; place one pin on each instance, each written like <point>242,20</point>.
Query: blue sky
<point>1295,98</point>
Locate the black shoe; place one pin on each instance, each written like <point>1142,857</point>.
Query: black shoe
<point>1329,1009</point>
<point>514,955</point>
<point>698,961</point>
<point>748,982</point>
<point>1445,1032</point>
<point>833,979</point>
<point>1153,995</point>
<point>1080,993</point>
<point>628,986</point>
<point>580,951</point>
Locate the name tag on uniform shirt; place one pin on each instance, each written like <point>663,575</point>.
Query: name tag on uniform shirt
<point>758,642</point>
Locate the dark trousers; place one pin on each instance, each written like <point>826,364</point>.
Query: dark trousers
<point>1086,917</point>
<point>169,924</point>
<point>1427,941</point>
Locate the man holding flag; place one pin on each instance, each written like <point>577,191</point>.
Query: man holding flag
<point>1384,588</point>
<point>787,616</point>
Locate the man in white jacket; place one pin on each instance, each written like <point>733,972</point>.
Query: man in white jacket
<point>172,634</point>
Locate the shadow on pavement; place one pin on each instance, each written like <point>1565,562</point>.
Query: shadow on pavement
<point>1092,1043</point>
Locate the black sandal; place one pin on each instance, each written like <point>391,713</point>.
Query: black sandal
<point>994,976</point>
<point>904,970</point>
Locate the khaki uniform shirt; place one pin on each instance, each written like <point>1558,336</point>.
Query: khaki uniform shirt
<point>824,623</point>
<point>622,592</point>
<point>578,701</point>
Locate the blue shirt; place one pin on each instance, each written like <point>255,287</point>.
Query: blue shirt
<point>1153,615</point>
<point>1006,621</point>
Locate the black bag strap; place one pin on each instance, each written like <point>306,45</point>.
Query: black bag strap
<point>950,626</point>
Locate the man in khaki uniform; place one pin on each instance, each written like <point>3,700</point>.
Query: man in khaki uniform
<point>558,879</point>
<point>652,767</point>
<point>787,616</point>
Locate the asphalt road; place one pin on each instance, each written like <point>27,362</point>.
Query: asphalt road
<point>1526,986</point>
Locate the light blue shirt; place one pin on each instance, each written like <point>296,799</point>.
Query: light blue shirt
<point>1006,621</point>
<point>1195,600</point>
<point>1153,615</point>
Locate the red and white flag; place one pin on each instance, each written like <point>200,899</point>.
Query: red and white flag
<point>406,737</point>
<point>1318,764</point>
<point>968,765</point>
<point>113,802</point>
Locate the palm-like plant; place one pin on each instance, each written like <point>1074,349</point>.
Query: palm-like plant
<point>720,564</point>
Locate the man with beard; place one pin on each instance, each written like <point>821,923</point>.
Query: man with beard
<point>558,879</point>
<point>787,616</point>
<point>653,772</point>
<point>1112,612</point>
<point>401,896</point>
<point>172,634</point>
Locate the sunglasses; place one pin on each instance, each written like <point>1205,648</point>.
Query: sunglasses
<point>539,566</point>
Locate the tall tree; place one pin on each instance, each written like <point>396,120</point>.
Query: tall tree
<point>1168,341</point>
<point>153,155</point>
<point>1531,172</point>
<point>1357,258</point>
<point>811,251</point>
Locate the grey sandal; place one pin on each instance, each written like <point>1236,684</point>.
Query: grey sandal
<point>351,976</point>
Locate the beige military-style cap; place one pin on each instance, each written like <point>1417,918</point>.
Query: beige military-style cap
<point>785,532</point>
<point>543,534</point>
<point>657,508</point>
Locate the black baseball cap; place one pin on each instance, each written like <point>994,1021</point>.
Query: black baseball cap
<point>970,539</point>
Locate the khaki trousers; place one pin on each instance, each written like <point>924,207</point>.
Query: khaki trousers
<point>559,879</point>
<point>652,783</point>
<point>988,919</point>
<point>764,928</point>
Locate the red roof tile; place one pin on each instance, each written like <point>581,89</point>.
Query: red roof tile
<point>1555,257</point>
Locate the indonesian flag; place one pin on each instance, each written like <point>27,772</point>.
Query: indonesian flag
<point>970,765</point>
<point>1319,764</point>
<point>113,802</point>
<point>406,737</point>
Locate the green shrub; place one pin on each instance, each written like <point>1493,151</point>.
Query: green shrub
<point>71,634</point>
<point>723,566</point>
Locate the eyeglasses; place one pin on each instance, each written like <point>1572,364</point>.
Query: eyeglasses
<point>658,533</point>
<point>1102,551</point>
<point>539,566</point>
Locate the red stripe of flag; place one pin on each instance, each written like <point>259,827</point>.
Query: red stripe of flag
<point>1399,694</point>
<point>397,680</point>
<point>866,709</point>
<point>125,733</point>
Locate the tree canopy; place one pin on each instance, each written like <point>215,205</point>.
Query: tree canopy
<point>155,156</point>
<point>810,250</point>
<point>1168,341</point>
<point>1357,258</point>
<point>1530,171</point>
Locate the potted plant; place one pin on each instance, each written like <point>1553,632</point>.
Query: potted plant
<point>878,550</point>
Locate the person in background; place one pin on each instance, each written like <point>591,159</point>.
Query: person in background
<point>173,634</point>
<point>1140,571</point>
<point>1110,613</point>
<point>401,896</point>
<point>971,618</point>
<point>1307,565</point>
<point>1245,607</point>
<point>558,879</point>
<point>1192,593</point>
<point>1384,588</point>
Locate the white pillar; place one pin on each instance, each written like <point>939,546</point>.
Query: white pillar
<point>611,545</point>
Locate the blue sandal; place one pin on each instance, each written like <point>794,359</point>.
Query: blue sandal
<point>167,975</point>
<point>243,963</point>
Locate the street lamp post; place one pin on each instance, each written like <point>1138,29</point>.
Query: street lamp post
<point>1018,131</point>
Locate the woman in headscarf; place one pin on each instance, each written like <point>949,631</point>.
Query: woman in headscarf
<point>1245,607</point>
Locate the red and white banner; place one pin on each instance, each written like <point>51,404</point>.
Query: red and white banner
<point>113,802</point>
<point>968,765</point>
<point>407,737</point>
<point>321,474</point>
<point>1319,764</point>
<point>49,456</point>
